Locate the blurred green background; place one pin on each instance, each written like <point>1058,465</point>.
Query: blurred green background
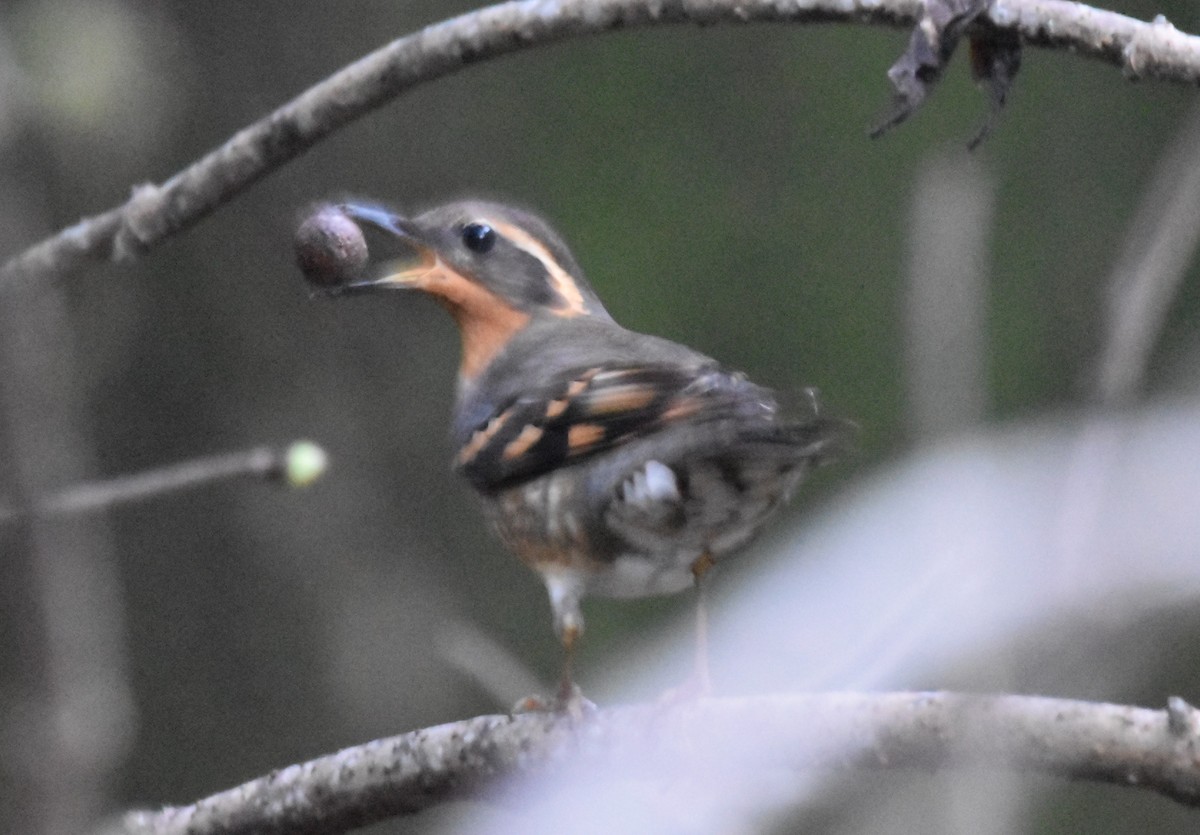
<point>719,189</point>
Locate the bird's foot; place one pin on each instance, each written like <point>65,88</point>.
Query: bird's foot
<point>569,701</point>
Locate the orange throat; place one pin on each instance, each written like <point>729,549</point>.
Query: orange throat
<point>485,322</point>
<point>484,334</point>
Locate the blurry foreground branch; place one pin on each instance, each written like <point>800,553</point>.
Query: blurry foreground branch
<point>1151,50</point>
<point>1153,749</point>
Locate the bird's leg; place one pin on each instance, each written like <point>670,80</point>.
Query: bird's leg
<point>571,700</point>
<point>568,690</point>
<point>699,684</point>
<point>568,624</point>
<point>703,676</point>
<point>565,591</point>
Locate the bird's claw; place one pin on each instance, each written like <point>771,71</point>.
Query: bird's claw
<point>569,701</point>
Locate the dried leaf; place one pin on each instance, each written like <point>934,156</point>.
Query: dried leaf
<point>995,60</point>
<point>930,48</point>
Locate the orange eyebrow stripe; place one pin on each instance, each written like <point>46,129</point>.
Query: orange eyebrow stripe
<point>564,284</point>
<point>584,435</point>
<point>520,445</point>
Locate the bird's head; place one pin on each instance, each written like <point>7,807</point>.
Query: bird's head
<point>494,267</point>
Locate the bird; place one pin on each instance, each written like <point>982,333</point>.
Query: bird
<point>612,463</point>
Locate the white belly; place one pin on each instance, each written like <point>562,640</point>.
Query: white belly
<point>637,576</point>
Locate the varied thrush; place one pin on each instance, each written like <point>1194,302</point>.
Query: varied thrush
<point>611,462</point>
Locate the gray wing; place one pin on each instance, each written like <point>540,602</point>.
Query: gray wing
<point>708,485</point>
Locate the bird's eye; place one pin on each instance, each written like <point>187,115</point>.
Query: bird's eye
<point>479,237</point>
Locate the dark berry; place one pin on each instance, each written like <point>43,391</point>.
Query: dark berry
<point>330,248</point>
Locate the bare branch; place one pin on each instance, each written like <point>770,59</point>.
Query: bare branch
<point>1159,247</point>
<point>1118,744</point>
<point>1142,50</point>
<point>299,464</point>
<point>1152,50</point>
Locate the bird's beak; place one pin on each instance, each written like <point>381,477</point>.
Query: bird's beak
<point>405,259</point>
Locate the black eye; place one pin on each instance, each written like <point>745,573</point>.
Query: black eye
<point>479,237</point>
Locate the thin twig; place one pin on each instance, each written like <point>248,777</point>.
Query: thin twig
<point>1159,247</point>
<point>154,212</point>
<point>485,661</point>
<point>261,462</point>
<point>1124,745</point>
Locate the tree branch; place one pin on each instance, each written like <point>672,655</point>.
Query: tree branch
<point>298,465</point>
<point>1153,749</point>
<point>1159,247</point>
<point>154,212</point>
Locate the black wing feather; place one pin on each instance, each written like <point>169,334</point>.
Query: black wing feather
<point>592,410</point>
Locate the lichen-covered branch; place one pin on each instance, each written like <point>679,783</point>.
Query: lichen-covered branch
<point>1151,749</point>
<point>154,212</point>
<point>1142,50</point>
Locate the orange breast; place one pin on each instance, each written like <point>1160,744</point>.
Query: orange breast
<point>485,321</point>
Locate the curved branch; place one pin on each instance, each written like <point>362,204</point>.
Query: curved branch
<point>1154,749</point>
<point>155,212</point>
